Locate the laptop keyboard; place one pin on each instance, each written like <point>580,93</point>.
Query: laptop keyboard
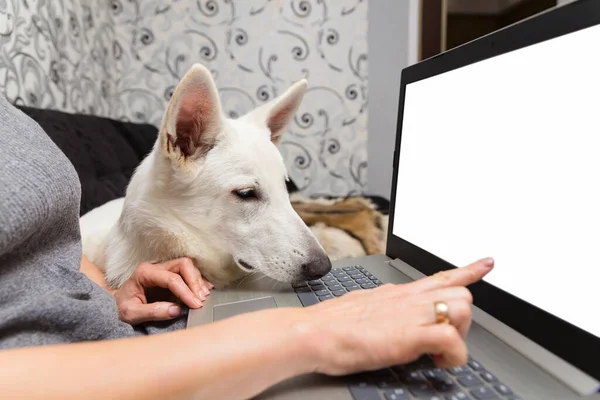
<point>336,283</point>
<point>418,380</point>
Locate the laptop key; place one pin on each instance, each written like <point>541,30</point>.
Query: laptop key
<point>356,275</point>
<point>368,286</point>
<point>364,392</point>
<point>307,298</point>
<point>317,287</point>
<point>489,377</point>
<point>335,287</point>
<point>388,384</point>
<point>396,394</point>
<point>362,281</point>
<point>338,293</point>
<point>344,279</point>
<point>503,389</point>
<point>435,373</point>
<point>315,282</point>
<point>458,371</point>
<point>326,297</point>
<point>484,393</point>
<point>302,289</point>
<point>458,396</point>
<point>298,285</point>
<point>444,385</point>
<point>421,390</point>
<point>352,288</point>
<point>321,292</point>
<point>469,380</point>
<point>348,283</point>
<point>349,269</point>
<point>413,378</point>
<point>378,282</point>
<point>475,366</point>
<point>429,374</point>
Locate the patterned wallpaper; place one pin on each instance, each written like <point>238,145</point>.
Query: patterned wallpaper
<point>124,60</point>
<point>53,54</point>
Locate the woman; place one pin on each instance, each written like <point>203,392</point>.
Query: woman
<point>65,334</point>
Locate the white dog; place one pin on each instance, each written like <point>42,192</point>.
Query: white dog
<point>212,189</point>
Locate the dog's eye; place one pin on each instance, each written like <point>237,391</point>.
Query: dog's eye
<point>245,194</point>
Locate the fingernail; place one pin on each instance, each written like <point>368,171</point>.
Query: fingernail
<point>210,285</point>
<point>201,294</point>
<point>488,262</point>
<point>206,290</point>
<point>174,311</point>
<point>198,301</point>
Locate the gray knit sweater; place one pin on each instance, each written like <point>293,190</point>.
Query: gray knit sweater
<point>44,299</point>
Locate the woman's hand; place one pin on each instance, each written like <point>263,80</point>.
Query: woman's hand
<point>394,324</point>
<point>180,276</point>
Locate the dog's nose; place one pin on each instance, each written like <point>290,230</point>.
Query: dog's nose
<point>318,266</point>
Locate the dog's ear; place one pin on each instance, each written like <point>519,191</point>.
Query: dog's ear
<point>193,118</point>
<point>279,112</point>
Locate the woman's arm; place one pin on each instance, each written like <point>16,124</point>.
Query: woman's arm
<point>94,274</point>
<point>240,357</point>
<point>230,359</point>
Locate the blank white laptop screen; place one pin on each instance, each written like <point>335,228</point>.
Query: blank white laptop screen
<point>501,158</point>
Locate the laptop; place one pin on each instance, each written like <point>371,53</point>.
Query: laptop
<point>497,154</point>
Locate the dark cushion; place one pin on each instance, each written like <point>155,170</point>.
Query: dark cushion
<point>104,152</point>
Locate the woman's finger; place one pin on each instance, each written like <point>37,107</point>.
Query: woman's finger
<point>444,342</point>
<point>135,313</point>
<point>463,276</point>
<point>158,277</point>
<point>191,275</point>
<point>445,294</point>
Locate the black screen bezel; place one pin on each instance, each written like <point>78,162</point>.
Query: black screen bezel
<point>574,345</point>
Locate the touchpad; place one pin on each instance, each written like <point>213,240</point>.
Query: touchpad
<point>227,310</point>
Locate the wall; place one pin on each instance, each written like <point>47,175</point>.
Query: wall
<point>124,58</point>
<point>393,39</point>
<point>56,54</point>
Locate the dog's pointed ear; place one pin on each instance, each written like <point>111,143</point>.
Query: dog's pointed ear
<point>279,112</point>
<point>193,118</point>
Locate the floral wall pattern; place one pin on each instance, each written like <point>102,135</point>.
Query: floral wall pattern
<point>124,61</point>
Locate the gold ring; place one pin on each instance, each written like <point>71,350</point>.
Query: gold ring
<point>441,312</point>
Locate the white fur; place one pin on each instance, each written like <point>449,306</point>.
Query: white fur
<point>181,201</point>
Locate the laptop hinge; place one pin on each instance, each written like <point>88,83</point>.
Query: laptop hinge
<point>577,380</point>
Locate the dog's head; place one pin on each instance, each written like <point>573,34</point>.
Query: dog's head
<point>227,180</point>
